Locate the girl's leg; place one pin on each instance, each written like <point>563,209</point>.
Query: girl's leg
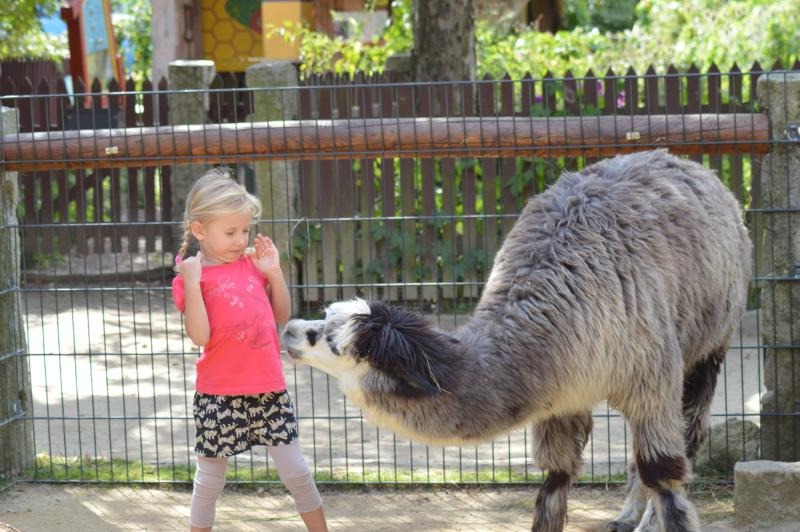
<point>296,476</point>
<point>209,479</point>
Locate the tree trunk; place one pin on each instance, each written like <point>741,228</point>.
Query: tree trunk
<point>546,15</point>
<point>444,40</point>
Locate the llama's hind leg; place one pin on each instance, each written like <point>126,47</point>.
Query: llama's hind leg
<point>662,465</point>
<point>698,391</point>
<point>642,513</point>
<point>559,443</point>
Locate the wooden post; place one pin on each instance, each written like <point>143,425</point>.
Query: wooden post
<point>177,32</point>
<point>187,108</point>
<point>16,430</point>
<point>779,265</point>
<point>277,179</point>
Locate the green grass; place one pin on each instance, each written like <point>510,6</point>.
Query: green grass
<point>88,469</point>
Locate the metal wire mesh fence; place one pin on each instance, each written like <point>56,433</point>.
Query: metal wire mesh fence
<point>375,189</point>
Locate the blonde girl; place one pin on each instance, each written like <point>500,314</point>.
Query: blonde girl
<point>232,301</point>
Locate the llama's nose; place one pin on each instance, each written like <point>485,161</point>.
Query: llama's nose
<point>290,330</point>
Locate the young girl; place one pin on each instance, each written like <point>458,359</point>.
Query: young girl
<point>231,301</point>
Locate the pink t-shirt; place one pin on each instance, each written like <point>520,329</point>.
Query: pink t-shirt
<point>243,354</point>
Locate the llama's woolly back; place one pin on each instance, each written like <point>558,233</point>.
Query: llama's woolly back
<point>617,261</point>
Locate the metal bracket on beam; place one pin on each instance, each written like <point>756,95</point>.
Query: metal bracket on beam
<point>792,132</point>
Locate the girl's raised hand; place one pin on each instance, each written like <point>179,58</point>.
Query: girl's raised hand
<point>190,269</point>
<point>266,256</point>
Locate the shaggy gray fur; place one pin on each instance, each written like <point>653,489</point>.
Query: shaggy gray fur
<point>612,283</point>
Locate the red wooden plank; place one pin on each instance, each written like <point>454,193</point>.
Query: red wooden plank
<point>80,198</point>
<point>693,97</point>
<point>651,92</point>
<point>631,94</point>
<point>672,97</point>
<point>610,93</point>
<point>115,206</point>
<point>715,105</point>
<point>571,104</point>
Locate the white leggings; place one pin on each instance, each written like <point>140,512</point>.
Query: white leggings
<point>209,479</point>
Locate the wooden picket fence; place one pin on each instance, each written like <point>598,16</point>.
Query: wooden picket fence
<point>409,228</point>
<point>423,229</point>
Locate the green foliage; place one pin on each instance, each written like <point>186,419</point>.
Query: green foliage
<point>605,15</point>
<point>43,261</point>
<point>321,53</point>
<point>132,29</point>
<point>718,31</point>
<point>682,33</point>
<point>605,34</point>
<point>21,34</point>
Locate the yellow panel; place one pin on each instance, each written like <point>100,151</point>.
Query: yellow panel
<point>243,44</point>
<point>232,33</point>
<point>224,31</point>
<point>218,7</point>
<point>275,14</point>
<point>224,52</point>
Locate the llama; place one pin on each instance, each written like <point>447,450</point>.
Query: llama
<point>622,282</point>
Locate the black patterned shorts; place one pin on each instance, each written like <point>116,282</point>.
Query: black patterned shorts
<point>231,424</point>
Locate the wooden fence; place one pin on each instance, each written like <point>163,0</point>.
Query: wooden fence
<point>402,228</point>
<point>97,210</point>
<point>424,228</point>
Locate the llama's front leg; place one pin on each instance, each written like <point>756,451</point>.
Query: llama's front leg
<point>559,444</point>
<point>636,495</point>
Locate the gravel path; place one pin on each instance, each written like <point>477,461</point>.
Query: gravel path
<point>43,508</point>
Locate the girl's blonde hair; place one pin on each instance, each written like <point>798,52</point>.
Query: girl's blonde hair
<point>215,194</point>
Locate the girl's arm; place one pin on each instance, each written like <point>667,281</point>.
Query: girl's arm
<point>194,312</point>
<point>267,260</point>
<point>279,296</point>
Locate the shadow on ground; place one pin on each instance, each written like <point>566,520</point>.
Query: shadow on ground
<point>46,507</point>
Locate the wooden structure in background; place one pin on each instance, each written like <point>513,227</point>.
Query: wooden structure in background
<point>76,14</point>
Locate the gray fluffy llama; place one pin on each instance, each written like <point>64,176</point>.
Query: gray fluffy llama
<point>622,282</point>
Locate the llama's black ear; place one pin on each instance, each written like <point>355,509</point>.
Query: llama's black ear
<point>414,385</point>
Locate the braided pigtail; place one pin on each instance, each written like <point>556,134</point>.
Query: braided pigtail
<point>188,248</point>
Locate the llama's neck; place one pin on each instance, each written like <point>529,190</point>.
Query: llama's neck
<point>482,394</point>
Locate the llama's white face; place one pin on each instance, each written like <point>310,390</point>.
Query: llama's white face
<point>324,344</point>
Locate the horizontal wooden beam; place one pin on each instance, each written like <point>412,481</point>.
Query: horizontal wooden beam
<point>590,136</point>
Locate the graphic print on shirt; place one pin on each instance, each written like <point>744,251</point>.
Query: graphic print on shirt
<point>255,328</point>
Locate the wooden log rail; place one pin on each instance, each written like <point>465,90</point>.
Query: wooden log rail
<point>590,136</point>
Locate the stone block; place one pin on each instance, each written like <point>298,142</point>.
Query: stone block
<point>767,493</point>
<point>728,443</point>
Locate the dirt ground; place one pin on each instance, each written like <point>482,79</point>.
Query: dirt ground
<point>49,507</point>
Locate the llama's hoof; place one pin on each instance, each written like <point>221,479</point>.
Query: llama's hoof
<point>620,526</point>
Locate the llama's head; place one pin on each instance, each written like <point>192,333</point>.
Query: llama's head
<point>373,348</point>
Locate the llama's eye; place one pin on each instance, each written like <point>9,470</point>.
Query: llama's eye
<point>332,344</point>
